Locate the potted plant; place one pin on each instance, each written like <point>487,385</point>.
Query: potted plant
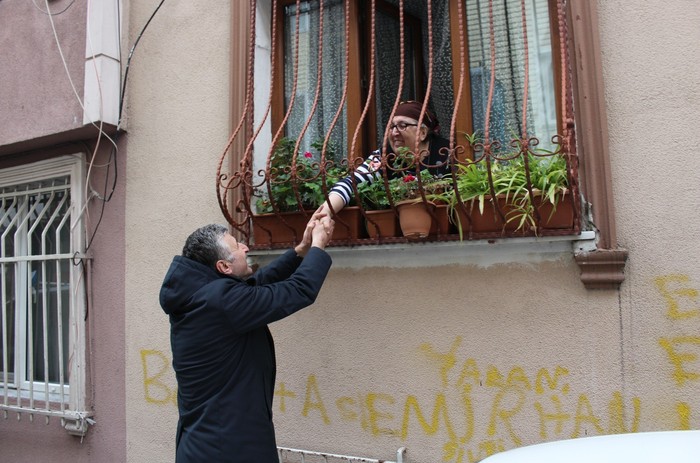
<point>519,202</point>
<point>471,202</point>
<point>415,197</point>
<point>404,192</point>
<point>284,205</point>
<point>301,190</point>
<point>415,214</point>
<point>381,220</point>
<point>437,189</point>
<point>549,186</point>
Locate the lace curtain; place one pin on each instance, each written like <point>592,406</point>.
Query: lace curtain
<point>506,120</point>
<point>388,61</point>
<point>332,73</point>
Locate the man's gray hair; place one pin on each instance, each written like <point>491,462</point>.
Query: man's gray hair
<point>206,245</point>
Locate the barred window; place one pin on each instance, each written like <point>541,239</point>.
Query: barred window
<point>42,344</point>
<point>496,74</point>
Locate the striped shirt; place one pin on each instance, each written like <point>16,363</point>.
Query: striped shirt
<point>369,170</point>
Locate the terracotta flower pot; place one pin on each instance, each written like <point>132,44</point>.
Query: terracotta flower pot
<point>381,224</point>
<point>490,220</point>
<point>441,224</point>
<point>348,224</point>
<point>414,218</point>
<point>559,217</point>
<point>285,227</point>
<point>288,227</point>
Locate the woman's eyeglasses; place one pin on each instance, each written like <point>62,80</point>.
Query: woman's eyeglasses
<point>401,126</point>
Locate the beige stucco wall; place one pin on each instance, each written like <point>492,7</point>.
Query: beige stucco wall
<point>178,114</point>
<point>457,360</point>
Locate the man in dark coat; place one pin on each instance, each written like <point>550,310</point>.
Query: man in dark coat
<point>223,352</point>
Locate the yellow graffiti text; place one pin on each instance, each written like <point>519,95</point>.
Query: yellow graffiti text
<point>309,404</point>
<point>617,412</point>
<point>675,296</point>
<point>680,359</point>
<point>283,393</point>
<point>584,414</point>
<point>683,411</point>
<point>155,366</point>
<point>445,361</point>
<point>507,403</point>
<point>375,415</point>
<point>558,416</point>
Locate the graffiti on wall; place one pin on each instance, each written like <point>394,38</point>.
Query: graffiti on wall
<point>682,349</point>
<point>475,408</point>
<point>157,381</point>
<point>544,398</point>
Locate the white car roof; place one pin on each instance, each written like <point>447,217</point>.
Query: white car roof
<point>643,447</point>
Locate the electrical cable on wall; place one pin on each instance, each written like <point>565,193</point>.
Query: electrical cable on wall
<point>99,127</point>
<point>91,192</point>
<point>128,60</point>
<point>107,191</point>
<point>113,154</point>
<point>122,95</point>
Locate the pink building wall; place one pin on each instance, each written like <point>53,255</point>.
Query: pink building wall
<point>41,117</point>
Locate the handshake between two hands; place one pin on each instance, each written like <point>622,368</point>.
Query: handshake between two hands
<point>318,231</point>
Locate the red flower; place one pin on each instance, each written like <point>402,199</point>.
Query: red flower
<point>308,155</point>
<point>409,178</point>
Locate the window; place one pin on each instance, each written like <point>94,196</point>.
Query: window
<point>490,69</point>
<point>42,346</point>
<point>431,48</point>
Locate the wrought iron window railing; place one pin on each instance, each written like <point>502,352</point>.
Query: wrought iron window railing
<point>496,71</point>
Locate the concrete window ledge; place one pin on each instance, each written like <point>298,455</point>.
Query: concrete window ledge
<point>434,254</point>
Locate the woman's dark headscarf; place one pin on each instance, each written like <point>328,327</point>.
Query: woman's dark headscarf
<point>436,158</point>
<point>413,109</point>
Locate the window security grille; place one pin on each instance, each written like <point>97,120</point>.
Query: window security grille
<point>496,74</point>
<point>43,295</point>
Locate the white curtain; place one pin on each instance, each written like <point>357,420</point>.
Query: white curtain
<point>332,77</point>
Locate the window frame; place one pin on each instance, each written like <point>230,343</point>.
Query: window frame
<point>67,400</point>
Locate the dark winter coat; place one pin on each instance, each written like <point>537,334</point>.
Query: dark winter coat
<point>223,352</point>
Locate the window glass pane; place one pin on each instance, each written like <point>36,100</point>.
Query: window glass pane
<point>7,323</point>
<point>388,66</point>
<point>332,72</point>
<point>416,59</point>
<point>7,348</point>
<point>506,120</point>
<point>50,291</point>
<point>8,212</point>
<point>35,229</point>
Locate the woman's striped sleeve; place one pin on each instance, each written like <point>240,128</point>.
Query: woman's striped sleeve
<point>366,172</point>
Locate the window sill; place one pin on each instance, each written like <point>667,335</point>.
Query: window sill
<point>433,254</point>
